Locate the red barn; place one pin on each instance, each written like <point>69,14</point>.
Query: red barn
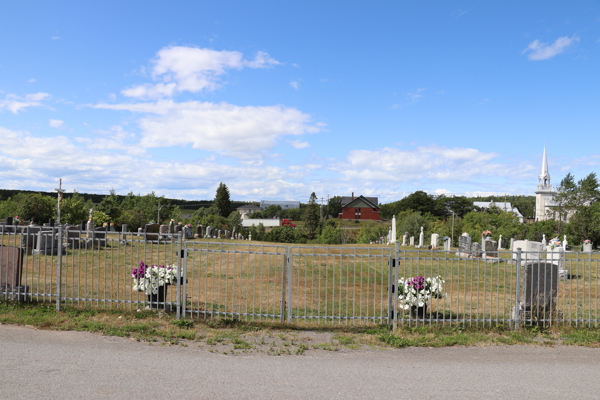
<point>360,207</point>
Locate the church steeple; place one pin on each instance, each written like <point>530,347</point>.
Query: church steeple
<point>544,174</point>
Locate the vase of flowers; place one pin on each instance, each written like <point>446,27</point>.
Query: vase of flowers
<point>153,280</point>
<point>414,293</point>
<point>587,246</point>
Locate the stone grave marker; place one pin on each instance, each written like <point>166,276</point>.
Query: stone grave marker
<point>435,239</point>
<point>11,259</point>
<point>476,249</point>
<point>421,239</point>
<point>163,230</point>
<point>152,231</point>
<point>541,282</point>
<point>491,248</point>
<point>511,244</point>
<point>9,220</point>
<point>412,240</point>
<point>530,250</point>
<point>171,227</point>
<point>447,243</point>
<point>178,228</point>
<point>404,240</point>
<point>208,232</point>
<point>557,256</point>
<point>587,247</point>
<point>198,231</point>
<point>464,245</point>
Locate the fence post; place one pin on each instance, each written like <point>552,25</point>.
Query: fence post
<point>283,281</point>
<point>395,287</point>
<point>178,268</point>
<point>58,266</point>
<point>518,292</point>
<point>289,285</point>
<point>184,279</point>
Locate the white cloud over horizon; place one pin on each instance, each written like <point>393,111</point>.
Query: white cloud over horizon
<point>220,127</point>
<point>193,69</point>
<point>55,123</point>
<point>538,51</point>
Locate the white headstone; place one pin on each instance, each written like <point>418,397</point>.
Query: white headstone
<point>403,240</point>
<point>544,239</point>
<point>421,238</point>
<point>511,244</point>
<point>531,250</point>
<point>447,243</point>
<point>587,247</point>
<point>565,243</point>
<point>394,229</point>
<point>435,238</point>
<point>412,240</point>
<point>500,243</point>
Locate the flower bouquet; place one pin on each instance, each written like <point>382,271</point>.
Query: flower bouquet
<point>153,280</point>
<point>414,293</point>
<point>587,241</point>
<point>486,233</point>
<point>554,243</point>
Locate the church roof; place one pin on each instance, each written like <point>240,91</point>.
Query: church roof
<point>544,169</point>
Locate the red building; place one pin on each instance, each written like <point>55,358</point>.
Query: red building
<point>360,207</point>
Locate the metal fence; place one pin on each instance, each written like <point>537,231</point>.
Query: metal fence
<point>299,284</point>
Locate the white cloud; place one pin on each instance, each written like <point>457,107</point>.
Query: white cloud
<point>32,80</point>
<point>55,123</point>
<point>295,85</point>
<point>424,163</point>
<point>441,191</point>
<point>14,103</point>
<point>542,51</point>
<point>298,144</point>
<point>193,69</point>
<point>55,37</point>
<point>221,127</point>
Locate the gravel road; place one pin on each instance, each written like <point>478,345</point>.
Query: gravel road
<point>37,364</point>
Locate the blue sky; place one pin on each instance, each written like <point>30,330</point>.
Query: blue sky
<point>280,99</point>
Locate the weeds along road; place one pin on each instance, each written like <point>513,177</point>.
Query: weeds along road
<point>37,364</point>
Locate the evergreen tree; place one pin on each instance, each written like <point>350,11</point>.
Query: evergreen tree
<point>312,217</point>
<point>222,200</point>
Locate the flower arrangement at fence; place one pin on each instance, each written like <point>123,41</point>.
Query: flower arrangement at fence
<point>17,220</point>
<point>587,241</point>
<point>189,226</point>
<point>148,279</point>
<point>486,233</point>
<point>554,243</point>
<point>416,292</point>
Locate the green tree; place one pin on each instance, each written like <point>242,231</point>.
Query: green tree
<point>222,200</point>
<point>334,206</point>
<point>110,206</point>
<point>9,207</point>
<point>412,224</point>
<point>75,209</point>
<point>234,221</point>
<point>38,208</point>
<point>311,218</point>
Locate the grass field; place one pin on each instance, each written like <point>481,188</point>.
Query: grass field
<point>335,284</point>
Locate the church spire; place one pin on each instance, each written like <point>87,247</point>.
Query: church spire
<point>544,174</point>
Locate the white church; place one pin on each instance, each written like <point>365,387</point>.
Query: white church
<point>544,195</point>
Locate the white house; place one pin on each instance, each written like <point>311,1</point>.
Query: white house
<point>505,206</point>
<point>247,209</point>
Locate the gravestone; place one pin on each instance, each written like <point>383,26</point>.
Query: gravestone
<point>557,256</point>
<point>530,250</point>
<point>163,230</point>
<point>199,231</point>
<point>11,259</point>
<point>435,238</point>
<point>511,244</point>
<point>447,243</point>
<point>208,232</point>
<point>491,248</point>
<point>140,231</point>
<point>421,239</point>
<point>9,220</point>
<point>82,225</point>
<point>476,249</point>
<point>565,243</point>
<point>90,226</point>
<point>587,247</point>
<point>500,243</point>
<point>464,245</point>
<point>226,234</point>
<point>152,231</point>
<point>218,234</point>
<point>404,240</point>
<point>541,282</point>
<point>29,238</point>
<point>412,240</point>
<point>73,237</point>
<point>171,227</point>
<point>124,228</point>
<point>178,228</point>
<point>112,227</point>
<point>544,239</point>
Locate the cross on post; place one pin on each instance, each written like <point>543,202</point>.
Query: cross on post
<point>60,191</point>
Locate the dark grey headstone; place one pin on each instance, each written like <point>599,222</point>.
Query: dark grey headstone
<point>178,228</point>
<point>541,283</point>
<point>152,231</point>
<point>9,220</point>
<point>11,259</point>
<point>491,248</point>
<point>476,249</point>
<point>464,244</point>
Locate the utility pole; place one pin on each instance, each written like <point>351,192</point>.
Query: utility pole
<point>59,196</point>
